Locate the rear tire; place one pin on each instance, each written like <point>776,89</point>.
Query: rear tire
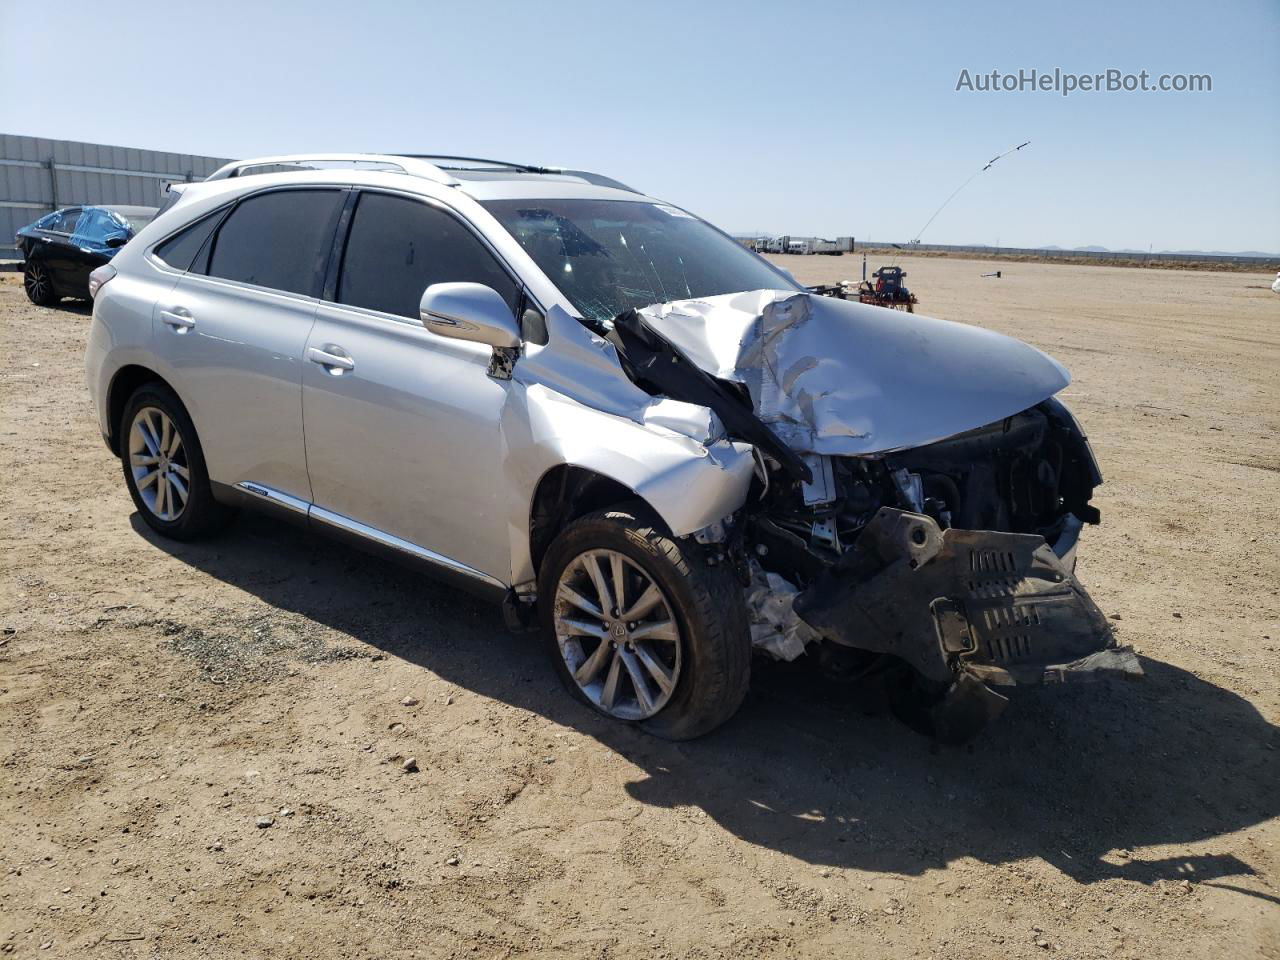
<point>38,283</point>
<point>154,460</point>
<point>712,666</point>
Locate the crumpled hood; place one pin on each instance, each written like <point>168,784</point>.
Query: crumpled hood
<point>841,378</point>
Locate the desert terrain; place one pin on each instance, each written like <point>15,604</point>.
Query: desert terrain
<point>203,745</point>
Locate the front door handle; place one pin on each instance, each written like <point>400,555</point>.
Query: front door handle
<point>179,319</point>
<point>332,358</point>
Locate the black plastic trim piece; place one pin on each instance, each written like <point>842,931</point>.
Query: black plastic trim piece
<point>654,360</point>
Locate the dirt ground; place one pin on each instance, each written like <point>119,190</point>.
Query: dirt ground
<point>158,699</point>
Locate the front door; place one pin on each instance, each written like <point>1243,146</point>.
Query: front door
<point>402,425</point>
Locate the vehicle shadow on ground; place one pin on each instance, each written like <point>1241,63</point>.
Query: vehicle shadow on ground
<point>1077,776</point>
<point>83,307</point>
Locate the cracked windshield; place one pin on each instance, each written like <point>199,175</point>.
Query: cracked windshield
<point>608,256</point>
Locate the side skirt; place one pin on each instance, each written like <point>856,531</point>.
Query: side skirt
<point>369,539</point>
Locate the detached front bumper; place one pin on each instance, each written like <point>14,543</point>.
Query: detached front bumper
<point>970,609</point>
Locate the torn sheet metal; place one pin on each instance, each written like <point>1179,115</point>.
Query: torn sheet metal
<point>687,419</point>
<point>574,405</point>
<point>578,364</point>
<point>690,483</point>
<point>841,378</point>
<point>661,369</point>
<point>775,627</point>
<point>585,368</point>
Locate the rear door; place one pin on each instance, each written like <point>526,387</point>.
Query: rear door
<point>401,424</point>
<point>89,247</point>
<point>235,326</point>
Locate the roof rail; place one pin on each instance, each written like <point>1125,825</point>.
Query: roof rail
<point>452,162</point>
<point>433,166</point>
<point>413,166</point>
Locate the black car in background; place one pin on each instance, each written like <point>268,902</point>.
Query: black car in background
<point>62,248</point>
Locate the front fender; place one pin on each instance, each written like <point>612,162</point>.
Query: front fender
<point>687,483</point>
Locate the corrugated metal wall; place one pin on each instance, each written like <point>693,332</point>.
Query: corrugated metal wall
<point>38,175</point>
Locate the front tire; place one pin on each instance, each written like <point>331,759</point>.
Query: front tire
<point>38,283</point>
<point>641,627</point>
<point>164,466</point>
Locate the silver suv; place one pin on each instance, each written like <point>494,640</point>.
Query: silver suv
<point>639,436</point>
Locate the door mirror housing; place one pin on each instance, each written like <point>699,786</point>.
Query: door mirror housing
<point>116,242</point>
<point>469,311</point>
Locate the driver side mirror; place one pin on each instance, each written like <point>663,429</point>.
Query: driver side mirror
<point>116,242</point>
<point>469,311</point>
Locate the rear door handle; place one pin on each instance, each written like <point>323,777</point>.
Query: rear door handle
<point>179,319</point>
<point>332,358</point>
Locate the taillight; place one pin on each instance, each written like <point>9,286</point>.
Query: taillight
<point>99,277</point>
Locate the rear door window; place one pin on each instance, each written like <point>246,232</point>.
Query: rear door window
<point>118,225</point>
<point>279,240</point>
<point>398,247</point>
<point>92,228</point>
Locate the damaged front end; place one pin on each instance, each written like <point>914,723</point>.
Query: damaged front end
<point>969,610</point>
<point>956,559</point>
<point>865,533</point>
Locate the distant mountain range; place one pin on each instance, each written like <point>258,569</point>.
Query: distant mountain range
<point>1203,253</point>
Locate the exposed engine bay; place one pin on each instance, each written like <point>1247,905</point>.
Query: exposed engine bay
<point>1030,473</point>
<point>955,558</point>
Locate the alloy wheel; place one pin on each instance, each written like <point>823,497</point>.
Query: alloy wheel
<point>36,279</point>
<point>617,634</point>
<point>158,461</point>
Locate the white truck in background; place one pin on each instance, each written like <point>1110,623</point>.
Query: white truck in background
<point>805,246</point>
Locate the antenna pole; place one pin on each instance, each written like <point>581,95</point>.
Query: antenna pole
<point>990,163</point>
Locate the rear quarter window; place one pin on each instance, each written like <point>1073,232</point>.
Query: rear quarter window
<point>182,249</point>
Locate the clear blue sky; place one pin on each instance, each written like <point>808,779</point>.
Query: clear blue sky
<point>826,118</point>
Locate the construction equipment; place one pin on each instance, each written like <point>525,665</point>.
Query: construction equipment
<point>888,290</point>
